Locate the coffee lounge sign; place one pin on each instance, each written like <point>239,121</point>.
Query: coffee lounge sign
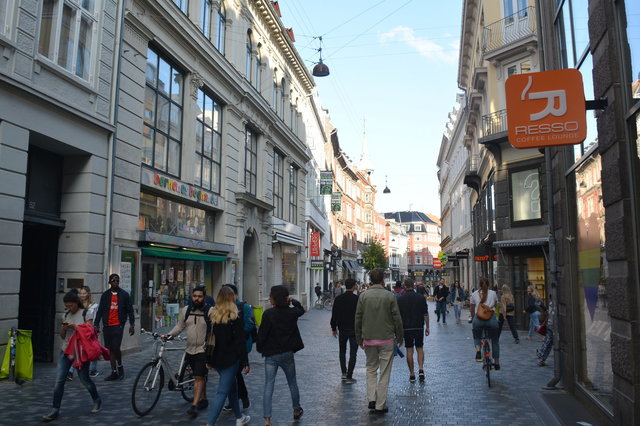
<point>173,186</point>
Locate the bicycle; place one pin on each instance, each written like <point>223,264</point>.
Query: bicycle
<point>485,350</point>
<point>325,302</point>
<point>150,380</point>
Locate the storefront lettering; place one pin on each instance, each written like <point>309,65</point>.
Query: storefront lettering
<point>184,189</point>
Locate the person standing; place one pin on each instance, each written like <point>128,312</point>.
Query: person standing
<point>75,315</point>
<point>229,354</point>
<point>421,290</point>
<point>533,309</point>
<point>456,297</point>
<point>415,315</point>
<point>508,309</point>
<point>278,339</point>
<point>547,344</point>
<point>441,293</point>
<point>378,324</point>
<point>113,310</point>
<point>343,317</point>
<point>195,318</point>
<point>318,291</point>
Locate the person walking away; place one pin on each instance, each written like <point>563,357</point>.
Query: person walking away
<point>533,309</point>
<point>343,317</point>
<point>415,315</point>
<point>508,308</point>
<point>113,310</point>
<point>489,298</point>
<point>250,329</point>
<point>195,318</point>
<point>378,324</point>
<point>318,291</point>
<point>278,340</point>
<point>75,315</point>
<point>547,343</point>
<point>457,297</point>
<point>441,293</point>
<point>92,308</point>
<point>229,354</point>
<point>421,290</point>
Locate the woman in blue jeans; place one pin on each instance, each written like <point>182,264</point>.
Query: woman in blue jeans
<point>534,303</point>
<point>74,316</point>
<point>229,355</point>
<point>278,339</point>
<point>489,298</point>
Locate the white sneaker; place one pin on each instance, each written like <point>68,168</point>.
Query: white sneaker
<point>243,420</point>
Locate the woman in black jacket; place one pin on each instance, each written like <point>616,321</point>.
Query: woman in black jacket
<point>278,339</point>
<point>229,355</point>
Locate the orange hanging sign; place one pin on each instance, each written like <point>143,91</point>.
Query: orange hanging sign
<point>546,108</point>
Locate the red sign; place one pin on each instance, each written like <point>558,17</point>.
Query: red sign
<point>315,244</point>
<point>436,264</point>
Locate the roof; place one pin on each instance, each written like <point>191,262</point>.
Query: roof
<point>409,216</point>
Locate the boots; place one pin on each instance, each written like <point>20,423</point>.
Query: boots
<point>120,372</point>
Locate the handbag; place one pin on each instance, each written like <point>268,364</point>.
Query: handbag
<point>484,312</point>
<point>511,307</point>
<point>542,330</point>
<point>210,344</point>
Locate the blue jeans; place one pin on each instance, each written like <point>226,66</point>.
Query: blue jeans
<point>457,309</point>
<point>441,307</point>
<point>227,387</point>
<point>287,362</point>
<point>534,322</point>
<point>64,364</point>
<point>491,323</point>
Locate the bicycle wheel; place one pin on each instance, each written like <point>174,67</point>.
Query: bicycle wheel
<point>147,388</point>
<point>319,304</point>
<point>328,304</point>
<point>487,363</point>
<point>186,382</point>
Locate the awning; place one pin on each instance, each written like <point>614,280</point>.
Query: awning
<point>351,265</point>
<point>522,243</point>
<point>181,254</point>
<point>284,238</point>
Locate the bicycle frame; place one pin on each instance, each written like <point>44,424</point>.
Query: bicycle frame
<point>159,348</point>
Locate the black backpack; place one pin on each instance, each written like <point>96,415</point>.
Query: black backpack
<point>206,309</point>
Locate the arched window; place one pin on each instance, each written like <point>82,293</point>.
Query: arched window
<point>248,56</point>
<point>274,99</point>
<point>292,113</point>
<point>221,24</point>
<point>258,73</point>
<point>282,97</point>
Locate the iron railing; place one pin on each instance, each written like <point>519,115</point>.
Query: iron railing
<point>495,122</point>
<point>515,27</point>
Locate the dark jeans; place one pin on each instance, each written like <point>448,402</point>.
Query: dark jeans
<point>227,387</point>
<point>243,394</point>
<point>511,320</point>
<point>64,364</point>
<point>287,362</point>
<point>353,351</point>
<point>441,309</point>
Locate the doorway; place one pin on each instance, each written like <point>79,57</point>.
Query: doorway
<point>250,283</point>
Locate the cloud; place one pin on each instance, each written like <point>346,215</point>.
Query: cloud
<point>425,47</point>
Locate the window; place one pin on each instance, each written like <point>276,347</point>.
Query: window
<point>248,56</point>
<point>183,5</point>
<point>6,16</point>
<point>418,247</point>
<point>417,227</point>
<point>282,97</point>
<point>221,29</point>
<point>208,142</point>
<point>417,238</point>
<point>278,184</point>
<point>418,260</point>
<point>519,6</point>
<point>293,194</point>
<point>632,9</point>
<point>525,195</point>
<point>258,73</point>
<point>205,19</point>
<point>250,161</point>
<point>274,99</point>
<point>162,128</point>
<point>292,110</point>
<point>522,67</point>
<point>66,29</point>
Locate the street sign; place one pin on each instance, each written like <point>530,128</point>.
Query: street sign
<point>317,264</point>
<point>436,264</point>
<point>546,108</point>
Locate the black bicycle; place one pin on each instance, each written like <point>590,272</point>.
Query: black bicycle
<point>485,350</point>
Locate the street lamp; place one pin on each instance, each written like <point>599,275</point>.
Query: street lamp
<point>386,189</point>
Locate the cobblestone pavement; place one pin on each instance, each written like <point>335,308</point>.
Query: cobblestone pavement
<point>455,392</point>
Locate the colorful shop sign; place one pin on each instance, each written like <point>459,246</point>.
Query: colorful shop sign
<point>182,189</point>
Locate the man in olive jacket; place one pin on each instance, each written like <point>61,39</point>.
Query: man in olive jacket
<point>378,324</point>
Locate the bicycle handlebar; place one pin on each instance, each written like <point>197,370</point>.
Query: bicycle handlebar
<point>156,335</point>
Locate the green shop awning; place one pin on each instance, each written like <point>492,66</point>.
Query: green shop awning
<point>181,254</point>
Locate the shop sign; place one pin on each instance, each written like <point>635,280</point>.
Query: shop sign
<point>437,264</point>
<point>546,108</point>
<point>336,201</point>
<point>326,182</point>
<point>176,187</point>
<point>315,244</point>
<point>317,264</point>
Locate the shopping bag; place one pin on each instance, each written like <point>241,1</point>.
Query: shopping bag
<point>24,355</point>
<point>257,314</point>
<point>6,361</point>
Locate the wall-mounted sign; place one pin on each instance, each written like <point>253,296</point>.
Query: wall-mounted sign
<point>326,182</point>
<point>436,264</point>
<point>336,202</point>
<point>314,245</point>
<point>546,108</point>
<point>173,186</point>
<point>317,264</point>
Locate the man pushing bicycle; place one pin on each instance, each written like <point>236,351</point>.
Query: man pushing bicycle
<point>195,318</point>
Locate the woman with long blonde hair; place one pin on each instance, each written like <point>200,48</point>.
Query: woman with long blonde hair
<point>489,298</point>
<point>534,304</point>
<point>508,308</point>
<point>229,355</point>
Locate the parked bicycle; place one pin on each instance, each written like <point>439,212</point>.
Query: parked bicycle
<point>150,380</point>
<point>325,302</point>
<point>485,350</point>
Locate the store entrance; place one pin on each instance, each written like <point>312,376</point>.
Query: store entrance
<point>527,271</point>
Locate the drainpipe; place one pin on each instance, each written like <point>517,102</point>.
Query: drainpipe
<point>115,95</point>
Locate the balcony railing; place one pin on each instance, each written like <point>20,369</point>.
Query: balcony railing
<point>515,27</point>
<point>495,122</point>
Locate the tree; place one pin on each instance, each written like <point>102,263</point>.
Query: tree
<point>374,256</point>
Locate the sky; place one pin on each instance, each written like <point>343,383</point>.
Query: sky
<point>394,66</point>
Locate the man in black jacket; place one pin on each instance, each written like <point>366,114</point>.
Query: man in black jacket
<point>415,314</point>
<point>114,309</point>
<point>343,318</point>
<point>441,293</point>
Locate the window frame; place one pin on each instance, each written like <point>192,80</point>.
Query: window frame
<point>278,184</point>
<point>215,130</point>
<point>531,221</point>
<point>293,193</point>
<point>248,70</point>
<point>251,160</point>
<point>221,28</point>
<point>8,25</point>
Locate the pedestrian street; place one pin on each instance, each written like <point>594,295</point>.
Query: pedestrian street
<point>455,391</point>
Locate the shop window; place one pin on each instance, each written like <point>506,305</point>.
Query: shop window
<point>290,267</point>
<point>168,217</point>
<point>250,161</point>
<point>525,196</point>
<point>278,185</point>
<point>208,142</point>
<point>162,130</point>
<point>128,268</point>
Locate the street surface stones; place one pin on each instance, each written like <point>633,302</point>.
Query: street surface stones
<point>455,391</point>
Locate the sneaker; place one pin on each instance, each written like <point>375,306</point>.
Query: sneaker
<point>344,377</point>
<point>350,381</point>
<point>51,416</point>
<point>517,341</point>
<point>297,413</point>
<point>192,411</point>
<point>496,367</point>
<point>478,356</point>
<point>96,406</point>
<point>69,376</point>
<point>372,405</point>
<point>385,410</point>
<point>412,378</point>
<point>112,376</point>
<point>202,404</point>
<point>421,376</point>
<point>227,408</point>
<point>94,373</point>
<point>243,420</point>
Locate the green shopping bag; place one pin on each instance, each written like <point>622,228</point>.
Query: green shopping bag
<point>24,357</point>
<point>257,314</point>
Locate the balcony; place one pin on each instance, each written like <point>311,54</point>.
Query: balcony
<point>494,123</point>
<point>512,32</point>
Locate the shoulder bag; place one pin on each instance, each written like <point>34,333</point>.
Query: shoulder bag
<point>484,312</point>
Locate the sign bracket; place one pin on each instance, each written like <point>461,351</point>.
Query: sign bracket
<point>599,104</point>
